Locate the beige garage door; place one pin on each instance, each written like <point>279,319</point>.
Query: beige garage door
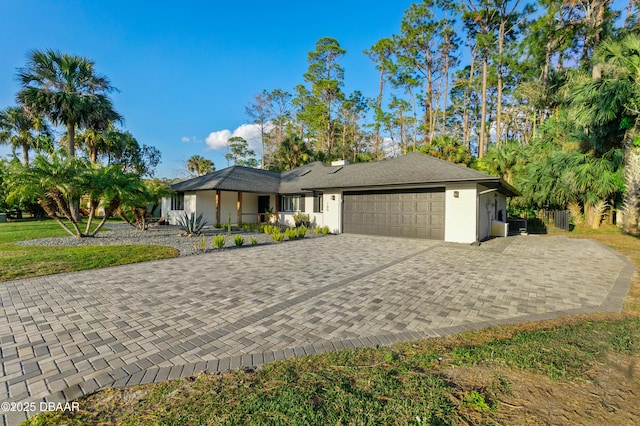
<point>400,213</point>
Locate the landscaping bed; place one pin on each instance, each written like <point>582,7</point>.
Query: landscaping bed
<point>163,235</point>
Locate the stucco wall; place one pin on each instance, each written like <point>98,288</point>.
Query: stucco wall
<point>228,202</point>
<point>332,215</point>
<point>206,205</point>
<point>249,207</point>
<point>460,213</point>
<point>190,202</point>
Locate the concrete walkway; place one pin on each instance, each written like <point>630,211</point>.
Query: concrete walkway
<point>64,336</point>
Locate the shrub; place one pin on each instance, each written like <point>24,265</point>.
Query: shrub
<point>268,229</point>
<point>325,230</point>
<point>191,224</point>
<point>277,235</point>
<point>254,241</point>
<point>317,229</point>
<point>290,233</point>
<point>219,241</point>
<point>249,227</point>
<point>300,218</point>
<point>238,240</point>
<point>301,231</point>
<point>218,226</point>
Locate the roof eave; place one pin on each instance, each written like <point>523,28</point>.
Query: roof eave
<point>406,184</point>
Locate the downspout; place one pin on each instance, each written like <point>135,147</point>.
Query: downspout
<point>477,242</point>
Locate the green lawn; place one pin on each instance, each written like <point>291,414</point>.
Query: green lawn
<point>29,261</point>
<point>472,378</point>
<point>395,385</point>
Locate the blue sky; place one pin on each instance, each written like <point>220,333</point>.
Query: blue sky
<point>185,70</point>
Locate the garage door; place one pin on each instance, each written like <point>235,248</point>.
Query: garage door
<point>404,213</point>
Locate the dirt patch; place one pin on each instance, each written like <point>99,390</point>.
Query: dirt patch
<point>610,396</point>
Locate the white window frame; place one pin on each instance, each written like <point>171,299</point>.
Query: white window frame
<point>291,203</point>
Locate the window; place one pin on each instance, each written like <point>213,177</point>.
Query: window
<point>292,203</point>
<point>317,202</point>
<point>177,201</point>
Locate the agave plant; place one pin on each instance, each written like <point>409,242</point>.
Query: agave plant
<point>191,224</point>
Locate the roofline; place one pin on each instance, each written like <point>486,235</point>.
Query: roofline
<point>224,175</point>
<point>407,184</point>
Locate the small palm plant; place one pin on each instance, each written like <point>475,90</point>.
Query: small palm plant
<point>219,241</point>
<point>277,236</point>
<point>290,233</point>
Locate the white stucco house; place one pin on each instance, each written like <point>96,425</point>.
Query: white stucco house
<point>415,196</point>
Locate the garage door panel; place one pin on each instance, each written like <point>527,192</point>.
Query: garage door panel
<point>402,213</point>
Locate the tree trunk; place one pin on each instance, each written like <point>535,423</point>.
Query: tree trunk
<point>49,207</point>
<point>446,91</point>
<point>631,207</point>
<point>379,112</point>
<point>415,119</point>
<point>25,154</point>
<point>71,134</point>
<point>483,117</point>
<point>92,211</point>
<point>576,212</point>
<point>466,132</point>
<point>593,213</point>
<point>499,72</point>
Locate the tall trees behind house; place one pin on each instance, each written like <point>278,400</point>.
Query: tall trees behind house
<point>197,165</point>
<point>516,81</point>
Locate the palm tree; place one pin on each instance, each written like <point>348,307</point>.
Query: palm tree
<point>112,187</point>
<point>20,129</point>
<point>197,165</point>
<point>51,181</point>
<point>55,181</point>
<point>615,98</point>
<point>67,90</point>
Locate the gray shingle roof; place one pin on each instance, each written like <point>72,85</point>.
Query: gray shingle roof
<point>233,178</point>
<point>410,169</point>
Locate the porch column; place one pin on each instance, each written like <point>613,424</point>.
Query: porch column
<point>217,206</point>
<point>239,207</point>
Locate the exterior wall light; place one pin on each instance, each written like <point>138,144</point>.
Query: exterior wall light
<point>456,194</point>
<point>333,197</point>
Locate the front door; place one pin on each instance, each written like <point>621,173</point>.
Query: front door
<point>263,205</point>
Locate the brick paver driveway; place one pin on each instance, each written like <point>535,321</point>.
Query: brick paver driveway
<point>66,335</point>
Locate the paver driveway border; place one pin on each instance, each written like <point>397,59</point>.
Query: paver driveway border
<point>162,365</point>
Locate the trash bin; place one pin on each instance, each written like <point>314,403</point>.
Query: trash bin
<point>3,217</point>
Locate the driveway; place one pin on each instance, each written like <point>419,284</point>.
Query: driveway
<point>63,336</point>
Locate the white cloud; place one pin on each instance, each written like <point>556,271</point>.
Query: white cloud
<point>185,139</point>
<point>250,132</point>
<point>218,140</point>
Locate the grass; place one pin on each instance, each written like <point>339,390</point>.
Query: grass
<point>18,261</point>
<point>394,385</point>
<point>416,382</point>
